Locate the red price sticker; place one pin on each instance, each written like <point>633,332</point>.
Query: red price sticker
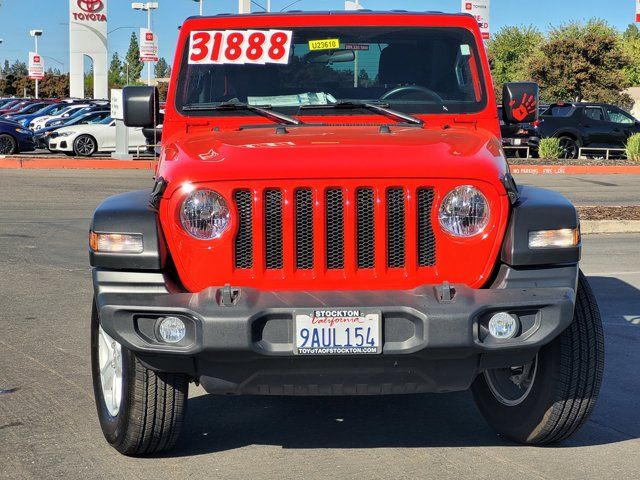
<point>240,46</point>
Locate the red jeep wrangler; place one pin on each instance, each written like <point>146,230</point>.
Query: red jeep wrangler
<point>333,215</point>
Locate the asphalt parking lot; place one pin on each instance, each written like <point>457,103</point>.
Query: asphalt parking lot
<point>49,429</point>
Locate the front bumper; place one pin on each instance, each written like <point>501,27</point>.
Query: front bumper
<point>62,144</point>
<point>27,144</point>
<point>430,344</point>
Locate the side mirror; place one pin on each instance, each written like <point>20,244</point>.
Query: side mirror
<point>141,106</point>
<point>520,102</point>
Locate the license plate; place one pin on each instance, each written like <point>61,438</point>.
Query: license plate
<point>337,332</point>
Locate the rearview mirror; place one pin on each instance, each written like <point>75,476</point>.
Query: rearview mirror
<point>520,102</point>
<point>141,106</point>
<point>337,56</point>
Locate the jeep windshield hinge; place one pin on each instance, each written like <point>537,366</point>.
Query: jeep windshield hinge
<point>156,194</point>
<point>511,188</point>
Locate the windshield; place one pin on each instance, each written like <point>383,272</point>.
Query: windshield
<point>413,70</point>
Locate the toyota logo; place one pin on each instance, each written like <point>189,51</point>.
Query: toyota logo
<point>91,6</point>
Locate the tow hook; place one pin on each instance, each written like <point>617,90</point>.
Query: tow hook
<point>446,293</point>
<point>228,296</point>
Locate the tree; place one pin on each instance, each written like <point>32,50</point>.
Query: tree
<point>631,33</point>
<point>88,85</point>
<point>163,88</point>
<point>510,52</point>
<point>133,60</point>
<point>582,62</point>
<point>19,69</point>
<point>631,48</point>
<point>162,69</point>
<point>115,72</point>
<point>54,85</point>
<point>23,86</point>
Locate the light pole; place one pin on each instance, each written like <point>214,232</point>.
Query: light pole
<point>35,34</point>
<point>201,2</point>
<point>127,64</point>
<point>147,7</point>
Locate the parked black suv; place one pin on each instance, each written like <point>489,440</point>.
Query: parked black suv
<point>594,125</point>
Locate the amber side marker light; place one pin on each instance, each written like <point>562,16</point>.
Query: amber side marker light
<point>116,242</point>
<point>566,237</point>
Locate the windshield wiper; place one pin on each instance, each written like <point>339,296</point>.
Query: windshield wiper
<point>262,110</point>
<point>381,108</point>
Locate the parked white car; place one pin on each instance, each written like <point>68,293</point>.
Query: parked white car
<point>39,122</point>
<point>85,140</point>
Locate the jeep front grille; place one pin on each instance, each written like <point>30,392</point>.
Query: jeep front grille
<point>365,228</point>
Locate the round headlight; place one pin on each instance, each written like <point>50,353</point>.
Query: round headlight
<point>204,214</point>
<point>464,212</point>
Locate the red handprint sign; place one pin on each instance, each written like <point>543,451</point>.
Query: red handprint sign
<point>527,107</point>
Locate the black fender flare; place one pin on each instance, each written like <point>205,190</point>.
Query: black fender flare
<point>539,209</point>
<point>130,212</point>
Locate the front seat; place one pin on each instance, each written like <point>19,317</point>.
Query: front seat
<point>400,65</point>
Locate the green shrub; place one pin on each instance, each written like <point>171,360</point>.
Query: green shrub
<point>550,148</point>
<point>633,147</point>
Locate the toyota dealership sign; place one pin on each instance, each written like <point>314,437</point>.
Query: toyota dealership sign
<point>90,11</point>
<point>480,10</point>
<point>36,66</point>
<point>88,37</point>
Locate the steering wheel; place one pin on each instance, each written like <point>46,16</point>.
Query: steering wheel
<point>412,88</point>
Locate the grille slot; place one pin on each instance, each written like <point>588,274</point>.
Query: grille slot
<point>304,229</point>
<point>395,228</point>
<point>273,228</point>
<point>365,223</point>
<point>335,228</point>
<point>244,237</point>
<point>426,238</point>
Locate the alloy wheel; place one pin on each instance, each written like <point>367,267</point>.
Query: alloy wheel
<point>110,363</point>
<point>511,386</point>
<point>85,146</point>
<point>7,145</point>
<point>569,148</point>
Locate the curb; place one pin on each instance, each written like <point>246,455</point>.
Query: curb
<point>589,227</point>
<point>61,163</point>
<point>574,169</point>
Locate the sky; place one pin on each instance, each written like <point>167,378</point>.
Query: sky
<point>17,17</point>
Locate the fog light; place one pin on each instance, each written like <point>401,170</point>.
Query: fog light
<point>503,325</point>
<point>172,329</point>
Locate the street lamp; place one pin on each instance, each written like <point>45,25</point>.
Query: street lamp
<point>36,34</point>
<point>147,7</point>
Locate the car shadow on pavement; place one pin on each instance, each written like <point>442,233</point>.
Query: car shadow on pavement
<point>220,423</point>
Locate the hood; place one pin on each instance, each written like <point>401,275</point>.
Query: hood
<point>333,152</point>
<point>83,128</point>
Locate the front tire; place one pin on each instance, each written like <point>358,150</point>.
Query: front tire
<point>570,148</point>
<point>557,391</point>
<point>85,146</point>
<point>140,411</point>
<point>8,144</point>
